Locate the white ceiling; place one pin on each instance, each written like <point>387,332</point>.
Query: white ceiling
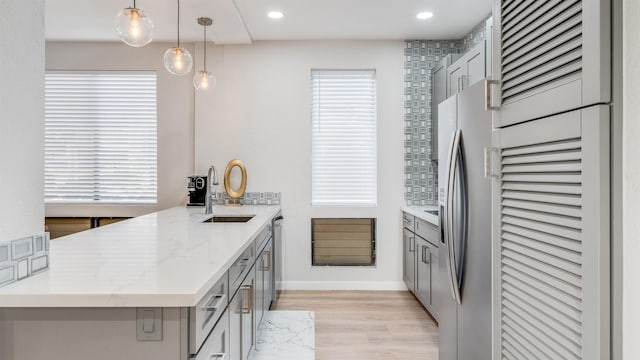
<point>243,21</point>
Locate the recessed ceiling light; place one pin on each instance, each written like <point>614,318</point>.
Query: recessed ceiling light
<point>275,15</point>
<point>425,15</point>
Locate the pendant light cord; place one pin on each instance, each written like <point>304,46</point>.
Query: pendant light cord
<point>205,48</point>
<point>134,4</point>
<point>178,23</point>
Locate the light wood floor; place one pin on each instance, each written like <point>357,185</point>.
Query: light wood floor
<point>371,325</point>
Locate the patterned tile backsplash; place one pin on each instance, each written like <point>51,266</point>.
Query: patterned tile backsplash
<point>421,174</point>
<point>23,257</point>
<point>250,198</point>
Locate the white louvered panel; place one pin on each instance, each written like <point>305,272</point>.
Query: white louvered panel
<point>100,137</point>
<point>542,46</point>
<point>344,153</point>
<point>541,251</point>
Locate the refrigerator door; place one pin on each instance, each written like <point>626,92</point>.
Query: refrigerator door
<point>447,310</point>
<point>474,314</point>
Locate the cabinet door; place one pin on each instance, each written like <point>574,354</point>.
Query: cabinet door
<point>267,276</point>
<point>247,296</point>
<point>439,76</point>
<point>474,65</point>
<point>550,57</point>
<point>258,305</point>
<point>423,272</point>
<point>235,327</point>
<point>409,259</point>
<point>455,76</point>
<point>551,238</point>
<point>437,283</point>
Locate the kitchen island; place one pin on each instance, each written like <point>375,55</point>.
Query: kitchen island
<point>106,287</point>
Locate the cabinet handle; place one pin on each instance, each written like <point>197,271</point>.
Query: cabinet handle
<point>411,245</point>
<point>422,255</point>
<point>266,254</point>
<point>214,302</point>
<point>427,256</point>
<point>249,291</point>
<point>218,356</point>
<point>488,105</point>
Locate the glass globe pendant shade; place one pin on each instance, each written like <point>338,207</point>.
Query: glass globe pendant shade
<point>133,27</point>
<point>204,80</point>
<point>177,60</point>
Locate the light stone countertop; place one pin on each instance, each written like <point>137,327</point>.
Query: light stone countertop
<point>419,211</point>
<point>164,259</point>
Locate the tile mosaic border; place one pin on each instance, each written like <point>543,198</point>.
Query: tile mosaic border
<point>250,198</point>
<point>21,258</point>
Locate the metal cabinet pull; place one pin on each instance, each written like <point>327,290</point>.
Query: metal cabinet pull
<point>249,291</point>
<point>427,256</point>
<point>218,356</point>
<point>215,301</point>
<point>488,104</point>
<point>411,245</point>
<point>423,247</point>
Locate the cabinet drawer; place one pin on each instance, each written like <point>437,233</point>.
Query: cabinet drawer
<point>427,231</point>
<point>217,345</point>
<point>206,313</point>
<point>240,267</point>
<point>408,221</point>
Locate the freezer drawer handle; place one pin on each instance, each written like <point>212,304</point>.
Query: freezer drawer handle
<point>218,356</point>
<point>488,105</point>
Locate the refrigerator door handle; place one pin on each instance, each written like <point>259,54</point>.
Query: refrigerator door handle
<point>445,217</point>
<point>456,265</point>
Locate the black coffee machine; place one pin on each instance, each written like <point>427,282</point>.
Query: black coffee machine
<point>197,190</point>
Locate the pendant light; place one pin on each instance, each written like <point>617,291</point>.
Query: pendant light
<point>133,27</point>
<point>177,60</point>
<point>204,80</point>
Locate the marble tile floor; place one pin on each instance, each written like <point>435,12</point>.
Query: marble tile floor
<point>286,335</point>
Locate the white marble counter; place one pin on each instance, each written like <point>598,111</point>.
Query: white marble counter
<point>165,259</point>
<point>419,211</point>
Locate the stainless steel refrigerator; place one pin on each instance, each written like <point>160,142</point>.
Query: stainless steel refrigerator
<point>464,197</point>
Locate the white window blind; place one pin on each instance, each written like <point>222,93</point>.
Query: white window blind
<point>100,137</point>
<point>344,161</point>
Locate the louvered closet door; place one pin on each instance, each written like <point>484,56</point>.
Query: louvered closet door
<point>550,56</point>
<point>551,238</point>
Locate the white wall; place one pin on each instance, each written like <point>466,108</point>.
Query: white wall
<point>21,118</point>
<point>260,113</point>
<point>175,117</point>
<point>631,180</point>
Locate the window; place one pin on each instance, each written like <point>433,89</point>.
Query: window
<point>100,138</point>
<point>344,164</point>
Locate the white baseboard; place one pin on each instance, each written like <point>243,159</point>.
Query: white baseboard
<point>342,285</point>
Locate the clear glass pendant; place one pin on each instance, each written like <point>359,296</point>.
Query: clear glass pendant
<point>204,80</point>
<point>133,27</point>
<point>177,60</point>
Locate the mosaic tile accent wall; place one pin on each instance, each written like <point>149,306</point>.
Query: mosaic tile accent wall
<point>250,198</point>
<point>23,257</point>
<point>474,37</point>
<point>421,174</point>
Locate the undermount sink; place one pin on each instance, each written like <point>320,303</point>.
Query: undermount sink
<point>230,219</point>
<point>432,212</point>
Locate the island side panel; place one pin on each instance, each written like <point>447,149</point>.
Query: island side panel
<point>85,333</point>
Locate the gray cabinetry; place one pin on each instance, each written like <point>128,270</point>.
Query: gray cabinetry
<point>551,236</point>
<point>216,347</point>
<point>440,93</point>
<point>467,70</point>
<point>420,262</point>
<point>409,259</point>
<point>549,57</point>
